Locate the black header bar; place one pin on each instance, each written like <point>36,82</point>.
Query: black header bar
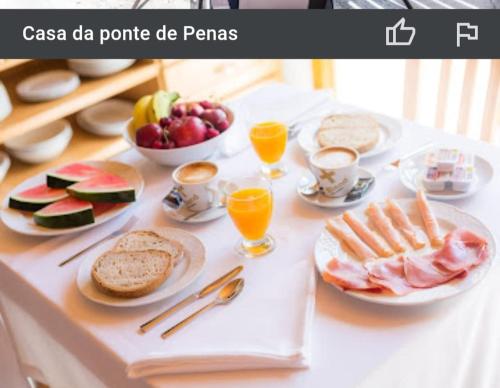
<point>249,34</point>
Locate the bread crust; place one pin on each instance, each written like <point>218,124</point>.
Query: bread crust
<point>361,132</point>
<point>106,286</point>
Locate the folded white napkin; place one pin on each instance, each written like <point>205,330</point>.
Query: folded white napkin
<point>276,102</point>
<point>260,331</point>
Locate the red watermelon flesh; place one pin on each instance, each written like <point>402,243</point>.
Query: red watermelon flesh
<point>36,197</point>
<point>67,213</point>
<point>103,188</point>
<point>72,173</point>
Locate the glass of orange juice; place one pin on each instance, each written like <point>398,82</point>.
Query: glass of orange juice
<point>269,140</point>
<point>249,203</point>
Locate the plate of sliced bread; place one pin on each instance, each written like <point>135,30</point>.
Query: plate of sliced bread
<point>141,267</point>
<point>369,133</point>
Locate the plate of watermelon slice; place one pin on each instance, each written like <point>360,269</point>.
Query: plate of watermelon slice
<point>71,198</point>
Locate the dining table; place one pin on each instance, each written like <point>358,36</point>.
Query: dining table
<point>53,334</point>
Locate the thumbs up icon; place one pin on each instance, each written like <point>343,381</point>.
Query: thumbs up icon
<point>399,34</point>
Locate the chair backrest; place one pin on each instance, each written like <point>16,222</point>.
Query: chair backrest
<point>469,85</point>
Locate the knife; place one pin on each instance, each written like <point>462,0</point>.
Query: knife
<point>191,298</point>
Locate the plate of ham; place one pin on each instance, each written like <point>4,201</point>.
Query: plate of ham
<point>404,252</point>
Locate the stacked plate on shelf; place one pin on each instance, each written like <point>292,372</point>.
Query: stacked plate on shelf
<point>5,104</point>
<point>107,118</point>
<point>95,68</point>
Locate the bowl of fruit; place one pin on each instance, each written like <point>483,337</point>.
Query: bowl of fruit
<point>171,133</point>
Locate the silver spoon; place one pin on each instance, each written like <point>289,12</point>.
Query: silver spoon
<point>230,291</point>
<point>309,188</point>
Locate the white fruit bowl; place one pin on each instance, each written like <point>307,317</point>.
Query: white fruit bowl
<point>178,156</point>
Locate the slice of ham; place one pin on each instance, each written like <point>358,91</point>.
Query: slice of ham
<point>421,272</point>
<point>339,229</point>
<point>347,274</point>
<point>384,226</point>
<point>430,222</point>
<point>404,224</point>
<point>390,275</point>
<point>462,250</point>
<point>367,235</point>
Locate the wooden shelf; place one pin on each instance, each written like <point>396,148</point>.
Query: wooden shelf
<point>6,64</point>
<point>28,116</point>
<point>83,146</point>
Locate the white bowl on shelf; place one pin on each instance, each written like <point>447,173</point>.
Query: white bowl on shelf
<point>95,68</point>
<point>107,118</point>
<point>42,144</point>
<point>178,156</point>
<point>5,104</point>
<point>4,165</point>
<point>48,85</point>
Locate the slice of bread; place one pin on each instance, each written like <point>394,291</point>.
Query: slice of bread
<point>360,132</point>
<point>129,274</point>
<point>141,240</point>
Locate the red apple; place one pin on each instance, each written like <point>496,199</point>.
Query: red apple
<point>191,130</point>
<point>215,116</point>
<point>147,135</point>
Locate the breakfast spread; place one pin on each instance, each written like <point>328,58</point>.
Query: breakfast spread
<point>448,168</point>
<point>161,123</point>
<point>139,263</point>
<point>358,131</point>
<point>376,268</point>
<point>73,196</point>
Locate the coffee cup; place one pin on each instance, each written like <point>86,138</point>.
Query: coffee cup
<point>335,169</point>
<point>193,186</point>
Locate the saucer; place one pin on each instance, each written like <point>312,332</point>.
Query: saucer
<point>322,200</point>
<point>184,215</point>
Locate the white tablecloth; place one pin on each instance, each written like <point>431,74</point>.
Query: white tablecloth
<point>451,343</point>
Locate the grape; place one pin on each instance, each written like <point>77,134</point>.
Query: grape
<point>222,126</point>
<point>148,134</point>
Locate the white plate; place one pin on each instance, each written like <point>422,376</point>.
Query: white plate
<point>411,173</point>
<point>22,222</point>
<point>48,85</point>
<point>205,216</point>
<point>99,67</point>
<point>449,218</point>
<point>4,165</point>
<point>108,118</point>
<point>189,268</point>
<point>324,201</point>
<point>390,133</point>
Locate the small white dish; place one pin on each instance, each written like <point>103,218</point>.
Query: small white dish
<point>178,156</point>
<point>49,85</point>
<point>322,200</point>
<point>449,218</point>
<point>107,118</point>
<point>4,165</point>
<point>391,132</point>
<point>95,68</point>
<point>186,272</point>
<point>42,144</point>
<point>186,216</point>
<point>412,170</point>
<point>5,104</point>
<point>22,222</point>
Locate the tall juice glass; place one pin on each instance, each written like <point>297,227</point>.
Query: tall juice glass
<point>250,206</point>
<point>269,142</point>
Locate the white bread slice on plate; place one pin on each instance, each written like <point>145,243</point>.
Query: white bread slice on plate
<point>141,240</point>
<point>360,132</point>
<point>129,274</point>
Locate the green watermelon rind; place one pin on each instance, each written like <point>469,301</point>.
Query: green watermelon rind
<point>31,204</point>
<point>65,220</point>
<point>59,181</point>
<point>121,195</point>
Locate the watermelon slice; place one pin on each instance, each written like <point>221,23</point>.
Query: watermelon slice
<point>35,198</point>
<point>70,174</point>
<point>67,213</point>
<point>103,188</point>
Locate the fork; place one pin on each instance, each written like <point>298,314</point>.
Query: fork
<point>130,223</point>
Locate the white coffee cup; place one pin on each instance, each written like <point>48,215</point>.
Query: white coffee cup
<point>194,186</point>
<point>335,169</point>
